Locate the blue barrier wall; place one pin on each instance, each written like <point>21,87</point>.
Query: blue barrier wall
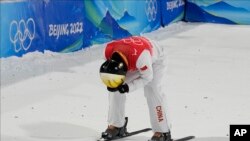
<point>65,26</point>
<point>218,11</point>
<point>70,25</point>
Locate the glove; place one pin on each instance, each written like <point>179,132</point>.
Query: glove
<point>112,89</point>
<point>123,88</point>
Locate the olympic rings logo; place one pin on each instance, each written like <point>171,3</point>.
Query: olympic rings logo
<point>151,9</point>
<point>22,34</point>
<point>135,41</point>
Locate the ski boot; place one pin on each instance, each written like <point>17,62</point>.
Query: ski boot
<point>112,133</point>
<point>162,137</point>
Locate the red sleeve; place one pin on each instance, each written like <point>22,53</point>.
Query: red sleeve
<point>108,50</point>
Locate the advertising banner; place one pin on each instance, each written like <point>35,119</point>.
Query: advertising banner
<point>218,11</point>
<point>172,11</point>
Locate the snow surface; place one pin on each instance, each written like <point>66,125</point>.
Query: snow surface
<point>52,96</point>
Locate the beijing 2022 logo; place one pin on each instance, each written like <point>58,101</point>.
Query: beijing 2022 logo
<point>22,33</point>
<point>151,9</point>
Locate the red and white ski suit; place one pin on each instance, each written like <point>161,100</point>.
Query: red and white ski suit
<point>145,69</point>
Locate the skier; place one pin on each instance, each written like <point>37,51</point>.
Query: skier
<point>131,63</point>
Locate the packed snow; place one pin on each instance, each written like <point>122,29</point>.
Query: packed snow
<point>53,96</point>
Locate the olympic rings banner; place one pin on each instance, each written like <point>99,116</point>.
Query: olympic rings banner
<point>218,11</point>
<point>21,30</point>
<point>70,25</point>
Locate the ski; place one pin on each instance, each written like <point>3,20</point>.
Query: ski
<point>185,138</point>
<point>141,131</point>
<point>126,135</point>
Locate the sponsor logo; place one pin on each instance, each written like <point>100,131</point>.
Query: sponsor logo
<point>151,9</point>
<point>22,33</point>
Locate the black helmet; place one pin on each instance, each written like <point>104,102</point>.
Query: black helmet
<point>113,71</point>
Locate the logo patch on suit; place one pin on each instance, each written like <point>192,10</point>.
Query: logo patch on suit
<point>159,113</point>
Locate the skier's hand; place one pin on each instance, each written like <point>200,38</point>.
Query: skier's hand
<point>112,89</point>
<point>123,88</point>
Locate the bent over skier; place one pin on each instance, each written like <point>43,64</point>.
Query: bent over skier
<point>132,63</point>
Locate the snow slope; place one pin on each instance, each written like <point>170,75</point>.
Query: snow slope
<point>51,96</point>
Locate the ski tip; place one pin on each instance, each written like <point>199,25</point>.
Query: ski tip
<point>191,137</point>
<point>148,129</point>
<point>102,139</point>
<point>185,138</point>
